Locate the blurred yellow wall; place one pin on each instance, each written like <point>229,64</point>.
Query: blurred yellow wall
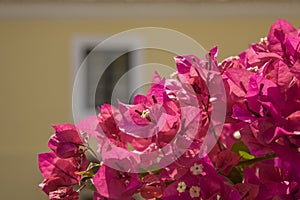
<point>36,73</point>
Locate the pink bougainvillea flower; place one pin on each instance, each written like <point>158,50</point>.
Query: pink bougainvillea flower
<point>231,62</point>
<point>108,122</point>
<point>253,138</point>
<point>55,183</point>
<point>166,134</point>
<point>121,159</point>
<point>65,193</point>
<point>50,164</point>
<point>292,45</point>
<point>262,100</point>
<point>275,56</point>
<point>292,99</point>
<point>187,143</point>
<point>225,160</point>
<point>236,83</point>
<point>279,31</point>
<point>199,73</point>
<point>265,105</point>
<point>58,188</point>
<point>66,142</point>
<point>279,73</point>
<point>296,69</point>
<point>273,182</point>
<point>257,56</point>
<point>152,187</point>
<point>189,67</point>
<point>61,174</point>
<point>200,174</point>
<point>104,128</point>
<point>247,191</point>
<point>154,116</point>
<point>90,125</point>
<point>114,184</point>
<point>286,145</point>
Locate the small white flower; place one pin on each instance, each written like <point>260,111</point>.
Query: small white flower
<point>237,135</point>
<point>181,187</point>
<point>197,169</point>
<point>212,99</point>
<point>145,113</point>
<point>253,69</point>
<point>174,75</point>
<point>263,40</point>
<point>195,191</point>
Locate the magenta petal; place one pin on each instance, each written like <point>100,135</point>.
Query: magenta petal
<point>156,79</point>
<point>66,142</point>
<point>140,99</point>
<point>50,164</point>
<point>293,47</point>
<point>263,90</point>
<point>68,133</point>
<point>183,64</point>
<point>293,123</point>
<point>212,56</point>
<point>157,91</point>
<point>46,163</point>
<point>54,182</point>
<point>296,69</point>
<point>226,160</point>
<point>63,149</point>
<point>97,196</point>
<point>230,193</point>
<point>277,34</point>
<point>63,127</point>
<point>133,124</point>
<point>279,73</point>
<point>65,193</point>
<point>286,151</point>
<point>120,159</point>
<point>237,80</point>
<point>114,184</point>
<point>242,114</point>
<point>90,125</point>
<point>284,77</point>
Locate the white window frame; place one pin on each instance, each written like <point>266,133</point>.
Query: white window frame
<point>79,45</point>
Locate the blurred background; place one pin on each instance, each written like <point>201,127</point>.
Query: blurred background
<point>39,55</point>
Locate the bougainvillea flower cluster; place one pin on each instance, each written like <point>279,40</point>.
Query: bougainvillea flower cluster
<point>256,155</point>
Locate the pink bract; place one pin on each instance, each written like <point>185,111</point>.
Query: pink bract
<point>166,133</point>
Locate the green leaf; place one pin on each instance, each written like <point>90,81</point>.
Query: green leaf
<point>90,185</point>
<point>170,182</point>
<point>141,175</point>
<point>244,163</point>
<point>239,146</point>
<point>89,172</point>
<point>246,156</point>
<point>235,176</point>
<point>130,147</point>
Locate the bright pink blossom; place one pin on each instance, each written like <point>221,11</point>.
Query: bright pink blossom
<point>61,175</point>
<point>226,160</point>
<point>114,184</point>
<point>66,142</point>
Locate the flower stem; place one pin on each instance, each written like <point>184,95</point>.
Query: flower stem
<point>81,188</point>
<point>255,160</point>
<point>93,153</point>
